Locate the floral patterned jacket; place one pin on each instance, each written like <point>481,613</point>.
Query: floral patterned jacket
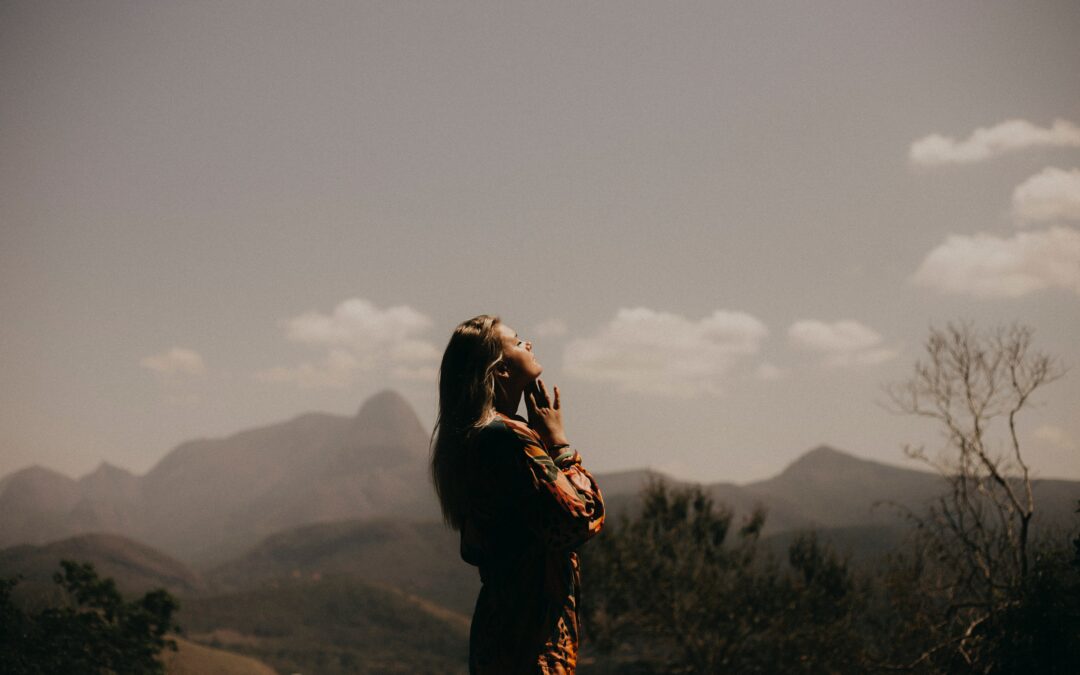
<point>528,513</point>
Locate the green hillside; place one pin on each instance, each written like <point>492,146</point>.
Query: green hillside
<point>195,659</point>
<point>134,566</point>
<point>330,625</point>
<point>420,558</point>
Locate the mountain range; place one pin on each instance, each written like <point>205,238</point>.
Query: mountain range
<point>298,543</point>
<point>210,500</point>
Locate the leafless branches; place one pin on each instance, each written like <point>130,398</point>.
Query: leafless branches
<point>974,386</point>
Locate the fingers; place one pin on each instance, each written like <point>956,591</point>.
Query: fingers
<point>536,396</point>
<point>543,397</point>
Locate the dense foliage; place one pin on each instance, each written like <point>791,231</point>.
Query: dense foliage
<point>670,590</point>
<point>96,632</point>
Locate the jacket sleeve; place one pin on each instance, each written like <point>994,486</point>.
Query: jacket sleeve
<point>564,506</point>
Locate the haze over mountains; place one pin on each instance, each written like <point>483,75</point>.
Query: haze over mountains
<point>209,500</point>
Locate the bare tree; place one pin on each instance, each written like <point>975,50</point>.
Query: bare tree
<point>974,385</point>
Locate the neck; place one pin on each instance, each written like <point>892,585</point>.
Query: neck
<point>507,401</point>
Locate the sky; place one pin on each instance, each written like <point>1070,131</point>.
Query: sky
<point>726,227</point>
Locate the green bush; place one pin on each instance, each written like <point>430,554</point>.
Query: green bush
<point>96,633</point>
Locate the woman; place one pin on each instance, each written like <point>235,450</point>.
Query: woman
<point>518,494</point>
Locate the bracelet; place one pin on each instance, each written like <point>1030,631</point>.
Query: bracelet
<point>567,456</point>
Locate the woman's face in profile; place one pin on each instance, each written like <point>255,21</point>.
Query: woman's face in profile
<point>518,356</point>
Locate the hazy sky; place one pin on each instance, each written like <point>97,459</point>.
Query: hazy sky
<point>724,225</point>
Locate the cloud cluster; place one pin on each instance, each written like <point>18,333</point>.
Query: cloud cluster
<point>1052,195</point>
<point>841,343</point>
<point>985,143</point>
<point>176,362</point>
<point>357,323</point>
<point>985,265</point>
<point>991,266</point>
<point>646,351</point>
<point>359,337</point>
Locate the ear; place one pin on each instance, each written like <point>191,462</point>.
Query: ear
<point>502,371</point>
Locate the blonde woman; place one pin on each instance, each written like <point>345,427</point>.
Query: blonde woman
<point>516,491</point>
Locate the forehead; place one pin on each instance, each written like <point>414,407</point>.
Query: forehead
<point>506,332</point>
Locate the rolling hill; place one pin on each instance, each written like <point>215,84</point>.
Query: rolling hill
<point>134,566</point>
<point>420,558</point>
<point>191,658</point>
<point>300,621</point>
<point>332,625</point>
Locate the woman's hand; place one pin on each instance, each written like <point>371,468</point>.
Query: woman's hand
<point>545,415</point>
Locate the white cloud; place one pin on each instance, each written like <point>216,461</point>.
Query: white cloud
<point>1050,195</point>
<point>178,361</point>
<point>842,343</point>
<point>1055,436</point>
<point>335,371</point>
<point>645,351</point>
<point>551,328</point>
<point>839,336</point>
<point>358,323</point>
<point>984,143</point>
<point>988,266</point>
<point>359,337</point>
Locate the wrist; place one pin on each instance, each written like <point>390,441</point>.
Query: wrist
<point>565,457</point>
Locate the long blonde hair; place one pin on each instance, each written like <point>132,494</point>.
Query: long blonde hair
<point>466,404</point>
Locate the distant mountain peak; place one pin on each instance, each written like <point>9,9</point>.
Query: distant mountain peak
<point>386,419</point>
<point>37,472</point>
<point>826,452</point>
<point>385,402</point>
<point>37,489</point>
<point>819,459</point>
<point>109,481</point>
<point>387,410</point>
<point>107,469</point>
<point>826,466</point>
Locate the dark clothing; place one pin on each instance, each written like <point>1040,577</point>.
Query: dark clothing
<point>527,514</point>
